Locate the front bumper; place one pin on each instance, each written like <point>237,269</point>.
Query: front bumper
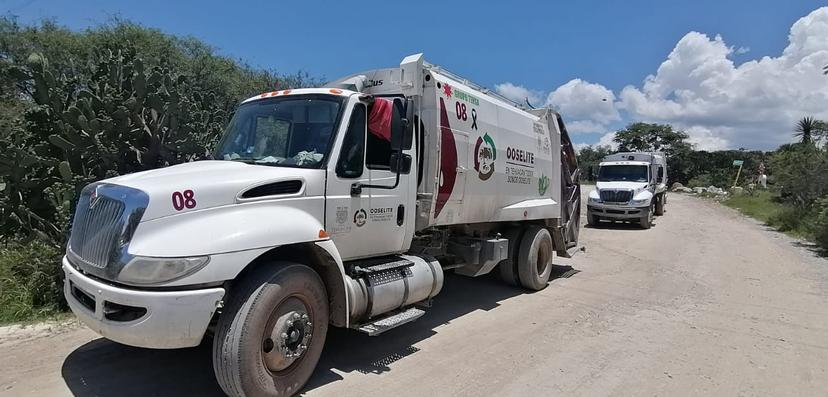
<point>617,212</point>
<point>153,319</point>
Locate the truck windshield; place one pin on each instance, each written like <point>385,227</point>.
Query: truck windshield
<point>292,131</point>
<point>628,173</point>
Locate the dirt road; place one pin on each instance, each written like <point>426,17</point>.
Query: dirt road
<point>706,302</point>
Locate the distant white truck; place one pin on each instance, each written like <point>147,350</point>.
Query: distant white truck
<point>631,186</point>
<point>338,206</point>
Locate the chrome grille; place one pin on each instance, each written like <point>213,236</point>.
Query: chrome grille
<point>105,218</point>
<point>616,196</point>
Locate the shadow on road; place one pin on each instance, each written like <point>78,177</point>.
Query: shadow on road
<point>812,247</point>
<point>104,368</point>
<point>619,225</point>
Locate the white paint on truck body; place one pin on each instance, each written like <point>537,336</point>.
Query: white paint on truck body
<point>483,159</point>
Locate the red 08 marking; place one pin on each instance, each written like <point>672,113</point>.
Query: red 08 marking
<point>460,110</point>
<point>181,200</point>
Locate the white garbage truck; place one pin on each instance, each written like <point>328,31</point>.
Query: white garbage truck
<point>630,187</point>
<point>338,206</point>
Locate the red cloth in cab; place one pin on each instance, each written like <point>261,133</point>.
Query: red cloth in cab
<point>379,119</point>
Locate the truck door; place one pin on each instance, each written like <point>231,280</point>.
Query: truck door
<point>367,221</point>
<point>570,192</point>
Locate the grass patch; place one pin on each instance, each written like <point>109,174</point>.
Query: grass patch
<point>761,205</point>
<point>766,207</point>
<point>30,281</point>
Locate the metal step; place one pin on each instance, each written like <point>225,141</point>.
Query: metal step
<point>384,324</point>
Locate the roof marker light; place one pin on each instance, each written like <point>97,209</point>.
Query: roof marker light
<point>335,91</point>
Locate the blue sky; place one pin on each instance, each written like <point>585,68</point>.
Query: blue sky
<point>538,46</point>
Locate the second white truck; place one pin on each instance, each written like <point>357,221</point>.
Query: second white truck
<point>630,187</point>
<point>338,206</point>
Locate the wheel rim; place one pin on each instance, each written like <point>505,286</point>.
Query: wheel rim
<point>287,334</point>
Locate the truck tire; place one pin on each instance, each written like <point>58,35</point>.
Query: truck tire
<point>592,220</point>
<point>508,266</point>
<point>535,258</point>
<point>647,221</point>
<point>271,332</point>
<point>660,202</point>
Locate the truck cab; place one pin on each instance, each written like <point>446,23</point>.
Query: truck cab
<point>629,187</point>
<point>339,206</point>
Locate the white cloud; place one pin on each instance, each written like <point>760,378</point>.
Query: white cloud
<point>587,107</point>
<point>721,105</point>
<point>699,89</point>
<point>607,140</point>
<point>518,93</point>
<point>582,100</point>
<point>584,126</point>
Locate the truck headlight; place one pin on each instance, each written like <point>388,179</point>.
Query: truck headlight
<point>151,270</point>
<point>639,202</point>
<point>595,200</point>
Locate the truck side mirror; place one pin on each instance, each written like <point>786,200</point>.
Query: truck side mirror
<point>400,163</point>
<point>401,132</point>
<point>660,177</point>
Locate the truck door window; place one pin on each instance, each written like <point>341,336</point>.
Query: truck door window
<point>351,157</point>
<point>378,155</point>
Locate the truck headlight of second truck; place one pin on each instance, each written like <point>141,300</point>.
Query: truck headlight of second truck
<point>642,200</point>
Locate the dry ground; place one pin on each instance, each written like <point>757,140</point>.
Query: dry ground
<point>707,302</point>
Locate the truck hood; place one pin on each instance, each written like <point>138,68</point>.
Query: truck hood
<point>634,186</point>
<point>213,183</point>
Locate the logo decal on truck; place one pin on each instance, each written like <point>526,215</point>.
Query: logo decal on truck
<point>485,154</point>
<point>360,217</point>
<point>543,184</point>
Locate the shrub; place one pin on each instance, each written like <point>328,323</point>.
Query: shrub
<point>819,223</point>
<point>30,280</point>
<point>789,219</point>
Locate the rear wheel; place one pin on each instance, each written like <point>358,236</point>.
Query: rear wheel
<point>535,258</point>
<point>271,333</point>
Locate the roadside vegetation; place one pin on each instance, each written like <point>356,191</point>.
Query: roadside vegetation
<point>82,106</point>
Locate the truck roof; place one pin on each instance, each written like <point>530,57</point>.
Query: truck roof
<point>298,91</point>
<point>603,163</point>
<point>649,157</point>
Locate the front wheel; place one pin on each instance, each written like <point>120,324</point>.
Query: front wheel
<point>592,220</point>
<point>659,207</point>
<point>646,221</point>
<point>271,333</point>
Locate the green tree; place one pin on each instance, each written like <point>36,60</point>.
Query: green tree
<point>811,130</point>
<point>588,159</point>
<point>645,137</point>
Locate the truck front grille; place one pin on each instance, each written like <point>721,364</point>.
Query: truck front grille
<point>616,196</point>
<point>105,219</point>
<point>96,230</point>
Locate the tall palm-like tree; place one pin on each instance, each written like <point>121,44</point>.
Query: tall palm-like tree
<point>806,128</point>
